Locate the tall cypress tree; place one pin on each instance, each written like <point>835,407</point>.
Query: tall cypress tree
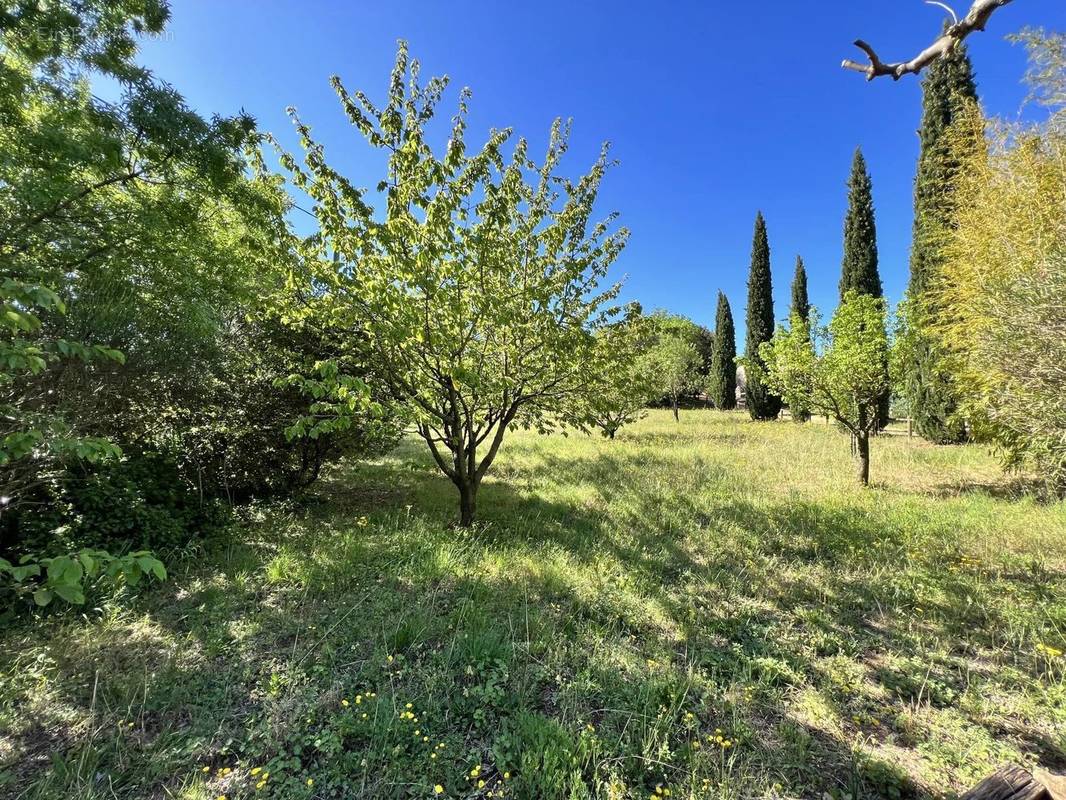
<point>801,309</point>
<point>762,403</point>
<point>859,272</point>
<point>947,87</point>
<point>722,386</point>
<point>801,304</point>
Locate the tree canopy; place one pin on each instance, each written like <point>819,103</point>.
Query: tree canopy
<point>476,284</point>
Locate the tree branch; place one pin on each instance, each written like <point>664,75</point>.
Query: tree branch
<point>974,21</point>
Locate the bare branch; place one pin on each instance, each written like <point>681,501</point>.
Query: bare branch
<point>973,21</point>
<point>946,7</point>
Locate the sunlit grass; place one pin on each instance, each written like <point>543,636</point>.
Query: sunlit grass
<point>624,609</point>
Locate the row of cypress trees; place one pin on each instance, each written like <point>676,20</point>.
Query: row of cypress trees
<point>928,389</point>
<point>859,272</point>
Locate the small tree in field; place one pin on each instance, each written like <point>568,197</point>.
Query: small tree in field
<point>674,367</point>
<point>841,374</point>
<point>475,284</point>
<point>622,386</point>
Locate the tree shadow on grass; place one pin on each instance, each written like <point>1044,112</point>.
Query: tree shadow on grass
<point>723,593</point>
<point>1014,489</point>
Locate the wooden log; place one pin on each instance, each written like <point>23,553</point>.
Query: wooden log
<point>1014,783</point>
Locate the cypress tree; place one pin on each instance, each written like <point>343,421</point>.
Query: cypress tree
<point>762,403</point>
<point>801,304</point>
<point>859,272</point>
<point>947,87</point>
<point>722,386</point>
<point>801,309</point>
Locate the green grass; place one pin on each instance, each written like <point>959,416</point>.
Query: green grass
<point>624,610</point>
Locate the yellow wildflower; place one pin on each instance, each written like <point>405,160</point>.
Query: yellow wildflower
<point>438,789</point>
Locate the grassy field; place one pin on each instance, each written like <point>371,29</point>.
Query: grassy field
<point>710,609</point>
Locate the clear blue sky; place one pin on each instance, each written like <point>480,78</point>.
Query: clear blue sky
<point>715,109</point>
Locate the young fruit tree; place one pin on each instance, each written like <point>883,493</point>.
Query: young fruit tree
<point>476,283</point>
<point>673,365</point>
<point>622,386</point>
<point>839,371</point>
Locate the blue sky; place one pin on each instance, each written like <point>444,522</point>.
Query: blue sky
<point>715,110</point>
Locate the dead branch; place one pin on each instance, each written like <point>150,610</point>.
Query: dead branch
<point>974,21</point>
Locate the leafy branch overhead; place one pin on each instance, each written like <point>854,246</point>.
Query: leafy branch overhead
<point>975,20</point>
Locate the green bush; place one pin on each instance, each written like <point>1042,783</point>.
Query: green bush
<point>70,575</point>
<point>140,503</point>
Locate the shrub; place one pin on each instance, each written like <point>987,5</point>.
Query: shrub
<point>138,503</point>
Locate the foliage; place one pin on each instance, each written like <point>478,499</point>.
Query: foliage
<point>859,272</point>
<point>664,323</point>
<point>801,304</point>
<point>145,252</point>
<point>622,386</point>
<point>89,191</point>
<point>1046,75</point>
<point>722,380</point>
<point>800,309</point>
<point>673,365</point>
<point>476,284</point>
<point>840,371</point>
<point>34,444</point>
<point>928,387</point>
<point>763,404</point>
<point>1003,279</point>
<point>137,502</point>
<point>69,576</point>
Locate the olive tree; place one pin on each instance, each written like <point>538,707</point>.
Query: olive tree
<point>839,371</point>
<point>475,281</point>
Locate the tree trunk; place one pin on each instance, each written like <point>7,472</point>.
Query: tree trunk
<point>467,503</point>
<point>677,417</point>
<point>862,454</point>
<point>610,433</point>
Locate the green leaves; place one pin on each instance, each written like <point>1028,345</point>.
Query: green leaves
<point>68,576</point>
<point>338,400</point>
<point>476,282</point>
<point>839,370</point>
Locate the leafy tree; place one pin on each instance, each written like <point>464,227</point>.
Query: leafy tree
<point>623,386</point>
<point>663,323</point>
<point>859,272</point>
<point>85,187</point>
<point>674,365</point>
<point>475,285</point>
<point>931,396</point>
<point>763,404</point>
<point>1003,276</point>
<point>801,309</point>
<point>722,380</point>
<point>844,377</point>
